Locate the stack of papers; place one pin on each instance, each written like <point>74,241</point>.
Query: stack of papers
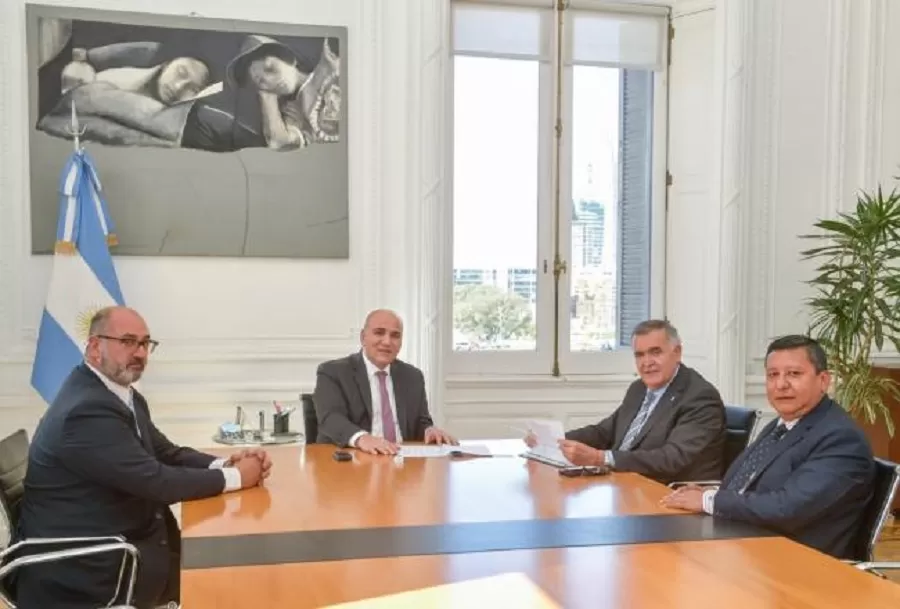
<point>427,451</point>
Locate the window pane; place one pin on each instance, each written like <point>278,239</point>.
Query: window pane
<point>594,258</point>
<point>495,199</point>
<point>617,40</point>
<point>506,31</point>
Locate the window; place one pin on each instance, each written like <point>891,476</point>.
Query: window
<point>557,232</point>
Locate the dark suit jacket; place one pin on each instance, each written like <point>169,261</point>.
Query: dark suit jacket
<point>343,400</point>
<point>683,439</point>
<point>89,474</point>
<point>814,486</point>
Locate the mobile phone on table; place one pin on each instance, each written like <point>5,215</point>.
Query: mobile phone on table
<point>587,470</point>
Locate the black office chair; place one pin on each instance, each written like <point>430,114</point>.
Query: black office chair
<point>13,465</point>
<point>740,424</point>
<point>310,422</point>
<point>887,479</point>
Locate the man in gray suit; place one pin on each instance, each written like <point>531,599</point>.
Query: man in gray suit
<point>371,400</point>
<point>671,424</point>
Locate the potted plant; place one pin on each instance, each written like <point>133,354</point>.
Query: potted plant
<point>856,305</point>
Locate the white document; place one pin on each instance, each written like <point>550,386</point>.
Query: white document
<point>475,450</point>
<point>547,431</point>
<point>425,451</point>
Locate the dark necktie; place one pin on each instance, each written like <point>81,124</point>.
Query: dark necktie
<point>758,454</point>
<point>387,417</point>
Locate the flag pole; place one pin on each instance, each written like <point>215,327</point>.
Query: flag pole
<point>75,130</point>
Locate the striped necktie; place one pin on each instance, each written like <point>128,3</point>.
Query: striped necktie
<point>638,423</point>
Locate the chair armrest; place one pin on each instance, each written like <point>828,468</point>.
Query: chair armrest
<point>681,483</point>
<point>115,545</point>
<point>875,565</point>
<point>49,541</point>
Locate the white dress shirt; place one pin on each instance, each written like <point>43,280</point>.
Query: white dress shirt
<point>126,395</point>
<point>375,389</point>
<point>709,496</point>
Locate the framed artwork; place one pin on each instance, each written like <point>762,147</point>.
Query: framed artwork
<point>210,137</point>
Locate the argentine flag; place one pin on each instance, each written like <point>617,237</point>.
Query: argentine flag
<point>83,278</point>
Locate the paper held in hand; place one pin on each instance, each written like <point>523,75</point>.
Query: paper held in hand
<point>548,433</point>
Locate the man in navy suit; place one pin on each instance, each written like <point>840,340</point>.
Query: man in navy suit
<point>808,475</point>
<point>98,466</point>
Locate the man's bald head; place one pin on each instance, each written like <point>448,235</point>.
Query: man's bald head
<point>382,314</point>
<point>382,337</point>
<point>110,316</point>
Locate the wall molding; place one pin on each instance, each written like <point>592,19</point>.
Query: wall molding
<point>876,26</point>
<point>769,124</point>
<point>836,105</point>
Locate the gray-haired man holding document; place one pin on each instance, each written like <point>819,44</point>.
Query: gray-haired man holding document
<point>670,425</point>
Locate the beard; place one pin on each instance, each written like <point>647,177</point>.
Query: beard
<point>123,374</point>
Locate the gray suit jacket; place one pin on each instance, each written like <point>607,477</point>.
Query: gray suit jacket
<point>683,439</point>
<point>343,400</point>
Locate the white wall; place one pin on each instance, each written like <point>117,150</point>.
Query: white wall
<point>259,329</point>
<point>825,123</point>
<point>802,110</point>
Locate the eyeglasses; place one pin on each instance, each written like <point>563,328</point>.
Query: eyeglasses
<point>132,343</point>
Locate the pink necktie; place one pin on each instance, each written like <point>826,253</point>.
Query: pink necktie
<point>387,417</point>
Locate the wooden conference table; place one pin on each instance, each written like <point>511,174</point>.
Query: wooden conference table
<point>322,532</point>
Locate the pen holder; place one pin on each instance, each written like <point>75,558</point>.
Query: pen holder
<point>281,423</point>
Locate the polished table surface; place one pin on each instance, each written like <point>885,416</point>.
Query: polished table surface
<point>313,506</point>
<point>308,490</point>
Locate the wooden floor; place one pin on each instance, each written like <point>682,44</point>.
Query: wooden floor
<point>889,546</point>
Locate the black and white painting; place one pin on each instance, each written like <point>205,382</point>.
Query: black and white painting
<point>210,138</point>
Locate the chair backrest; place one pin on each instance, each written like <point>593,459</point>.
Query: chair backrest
<point>739,425</point>
<point>310,422</point>
<point>884,488</point>
<point>13,462</point>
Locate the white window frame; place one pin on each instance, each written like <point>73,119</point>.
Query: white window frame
<point>540,360</point>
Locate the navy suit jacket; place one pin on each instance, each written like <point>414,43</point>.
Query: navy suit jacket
<point>90,474</point>
<point>815,485</point>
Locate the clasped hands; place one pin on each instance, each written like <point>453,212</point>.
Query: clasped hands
<point>375,445</point>
<point>253,464</point>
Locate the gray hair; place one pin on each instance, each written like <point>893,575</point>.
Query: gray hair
<point>652,325</point>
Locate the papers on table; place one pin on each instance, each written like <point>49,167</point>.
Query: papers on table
<point>429,451</point>
<point>474,450</point>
